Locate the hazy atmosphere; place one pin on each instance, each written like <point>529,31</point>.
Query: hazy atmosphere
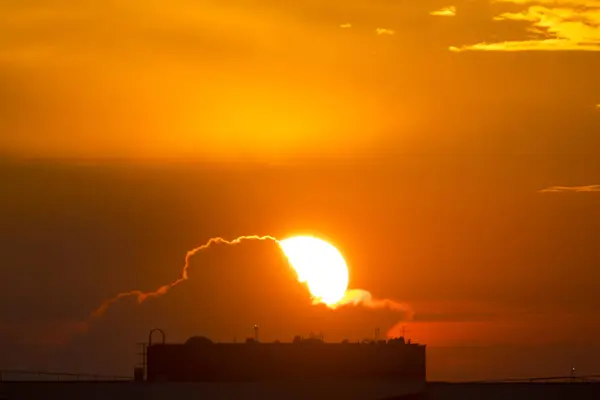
<point>449,150</point>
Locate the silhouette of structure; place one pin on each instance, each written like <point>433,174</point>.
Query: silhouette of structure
<point>201,360</point>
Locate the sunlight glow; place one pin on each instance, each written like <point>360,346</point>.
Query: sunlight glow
<point>320,265</point>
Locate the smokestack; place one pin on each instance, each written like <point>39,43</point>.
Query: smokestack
<point>376,334</point>
<point>256,333</point>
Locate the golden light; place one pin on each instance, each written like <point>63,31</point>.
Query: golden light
<point>318,264</point>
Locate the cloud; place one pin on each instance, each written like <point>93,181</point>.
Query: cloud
<point>562,25</point>
<point>556,189</point>
<point>574,3</point>
<point>346,26</point>
<point>444,12</point>
<point>384,31</point>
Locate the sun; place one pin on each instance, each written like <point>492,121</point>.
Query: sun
<point>318,264</point>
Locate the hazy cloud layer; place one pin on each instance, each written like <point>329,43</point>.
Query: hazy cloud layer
<point>555,189</point>
<point>552,26</point>
<point>455,317</point>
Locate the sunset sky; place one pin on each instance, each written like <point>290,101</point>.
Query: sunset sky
<point>449,150</point>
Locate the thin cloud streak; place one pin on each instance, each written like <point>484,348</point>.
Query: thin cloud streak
<point>559,189</point>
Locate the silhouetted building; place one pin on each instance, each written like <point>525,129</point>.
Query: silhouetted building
<point>201,360</point>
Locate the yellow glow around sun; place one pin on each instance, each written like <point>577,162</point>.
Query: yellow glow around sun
<point>318,264</point>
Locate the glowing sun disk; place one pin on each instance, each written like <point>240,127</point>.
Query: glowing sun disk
<point>318,264</point>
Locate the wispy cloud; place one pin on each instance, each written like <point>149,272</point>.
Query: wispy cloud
<point>449,11</point>
<point>346,26</point>
<point>384,31</point>
<point>557,189</point>
<point>578,3</point>
<point>556,25</point>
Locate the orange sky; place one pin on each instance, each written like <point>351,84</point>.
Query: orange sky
<point>264,79</point>
<point>448,149</point>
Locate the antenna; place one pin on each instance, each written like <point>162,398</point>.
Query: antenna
<point>376,334</point>
<point>404,330</point>
<point>256,333</point>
